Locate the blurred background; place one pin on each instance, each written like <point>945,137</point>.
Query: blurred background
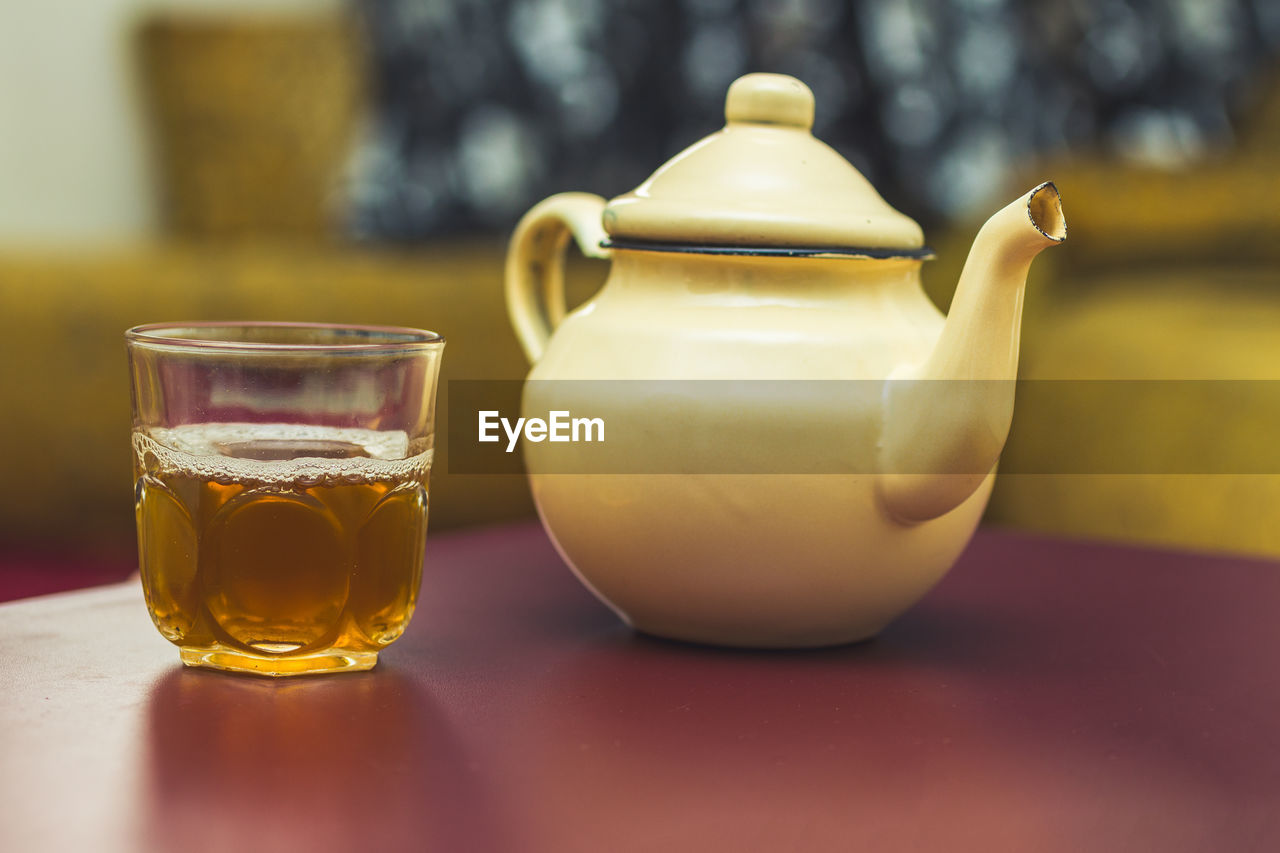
<point>364,162</point>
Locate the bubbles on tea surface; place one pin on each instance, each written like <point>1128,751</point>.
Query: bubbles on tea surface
<point>273,442</point>
<point>280,454</point>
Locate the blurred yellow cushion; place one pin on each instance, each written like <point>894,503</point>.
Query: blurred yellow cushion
<point>64,385</point>
<point>1198,323</point>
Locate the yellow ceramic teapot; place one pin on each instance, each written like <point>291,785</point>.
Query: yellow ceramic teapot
<point>760,257</point>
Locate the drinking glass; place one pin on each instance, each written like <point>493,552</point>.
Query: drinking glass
<point>281,488</point>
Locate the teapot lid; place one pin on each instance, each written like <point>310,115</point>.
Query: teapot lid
<point>762,183</point>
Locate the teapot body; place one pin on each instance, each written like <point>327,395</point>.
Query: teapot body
<point>783,490</point>
<point>717,551</point>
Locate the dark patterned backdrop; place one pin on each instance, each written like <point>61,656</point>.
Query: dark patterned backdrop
<point>486,106</point>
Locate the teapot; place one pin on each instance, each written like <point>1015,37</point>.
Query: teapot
<point>760,255</point>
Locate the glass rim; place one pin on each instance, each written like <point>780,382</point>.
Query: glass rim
<point>382,339</point>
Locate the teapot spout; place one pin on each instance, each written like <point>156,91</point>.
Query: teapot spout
<point>946,420</point>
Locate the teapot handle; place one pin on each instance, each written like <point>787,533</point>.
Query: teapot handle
<point>535,263</point>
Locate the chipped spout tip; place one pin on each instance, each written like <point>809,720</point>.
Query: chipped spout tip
<point>1044,207</point>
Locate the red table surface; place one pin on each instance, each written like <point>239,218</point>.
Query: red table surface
<point>26,573</point>
<point>1047,696</point>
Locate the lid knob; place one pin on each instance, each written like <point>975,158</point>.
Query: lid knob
<point>769,99</point>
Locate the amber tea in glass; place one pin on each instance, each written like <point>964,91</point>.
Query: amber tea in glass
<point>281,489</point>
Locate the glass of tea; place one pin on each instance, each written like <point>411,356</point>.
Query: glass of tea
<point>281,488</point>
